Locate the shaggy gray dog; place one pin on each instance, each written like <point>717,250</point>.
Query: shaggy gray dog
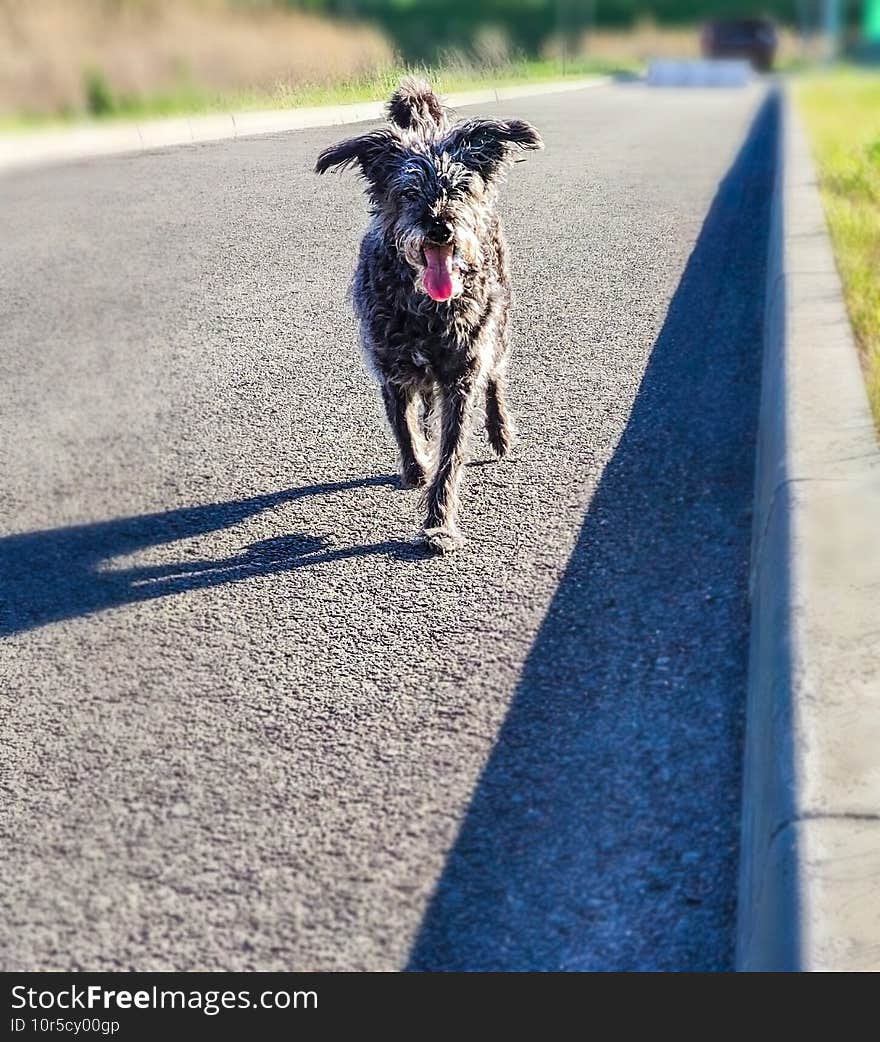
<point>432,288</point>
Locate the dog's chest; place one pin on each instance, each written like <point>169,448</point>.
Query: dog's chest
<point>425,345</point>
<point>413,340</point>
<point>437,350</point>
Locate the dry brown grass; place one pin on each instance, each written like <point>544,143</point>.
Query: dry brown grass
<point>150,47</point>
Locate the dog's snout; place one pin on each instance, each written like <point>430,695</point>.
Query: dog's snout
<point>441,232</point>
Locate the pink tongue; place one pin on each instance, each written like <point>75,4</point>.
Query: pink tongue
<point>438,276</point>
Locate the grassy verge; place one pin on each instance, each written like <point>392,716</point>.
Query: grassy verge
<point>842,112</point>
<point>446,79</point>
<point>189,99</point>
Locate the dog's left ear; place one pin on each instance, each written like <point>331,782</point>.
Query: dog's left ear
<point>488,145</point>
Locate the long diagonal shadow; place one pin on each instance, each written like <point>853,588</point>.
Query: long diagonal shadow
<point>603,831</point>
<point>57,574</point>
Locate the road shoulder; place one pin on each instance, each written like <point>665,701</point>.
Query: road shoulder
<point>810,861</point>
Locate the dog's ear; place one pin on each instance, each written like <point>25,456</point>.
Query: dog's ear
<point>488,145</point>
<point>415,106</point>
<point>376,153</point>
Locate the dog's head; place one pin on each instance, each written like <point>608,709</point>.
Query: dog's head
<point>433,188</point>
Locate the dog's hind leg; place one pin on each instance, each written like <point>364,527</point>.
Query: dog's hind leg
<point>499,426</point>
<point>441,530</point>
<point>429,402</point>
<point>401,408</point>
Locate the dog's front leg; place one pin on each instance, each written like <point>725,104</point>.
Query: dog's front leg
<point>441,530</point>
<point>400,405</point>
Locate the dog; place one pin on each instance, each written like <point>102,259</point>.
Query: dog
<point>432,286</point>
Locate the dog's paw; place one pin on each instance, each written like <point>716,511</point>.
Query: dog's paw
<point>440,540</point>
<point>501,446</point>
<point>413,477</point>
<point>502,439</point>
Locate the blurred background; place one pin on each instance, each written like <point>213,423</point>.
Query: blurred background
<point>64,59</point>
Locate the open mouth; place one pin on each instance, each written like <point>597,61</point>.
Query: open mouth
<point>438,272</point>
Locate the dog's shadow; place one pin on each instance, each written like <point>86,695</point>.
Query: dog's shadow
<point>65,573</point>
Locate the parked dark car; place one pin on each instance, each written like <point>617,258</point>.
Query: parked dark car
<point>751,38</point>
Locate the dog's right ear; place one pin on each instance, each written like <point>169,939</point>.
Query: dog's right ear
<point>375,153</point>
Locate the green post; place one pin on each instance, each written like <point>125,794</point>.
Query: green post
<point>871,21</point>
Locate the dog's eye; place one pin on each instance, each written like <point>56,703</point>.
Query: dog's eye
<point>410,194</point>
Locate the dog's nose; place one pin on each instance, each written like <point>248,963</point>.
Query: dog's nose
<point>441,232</point>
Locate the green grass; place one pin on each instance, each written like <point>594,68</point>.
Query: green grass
<point>842,113</point>
<point>189,99</point>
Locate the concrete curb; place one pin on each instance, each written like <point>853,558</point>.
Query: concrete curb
<point>87,142</point>
<point>809,895</point>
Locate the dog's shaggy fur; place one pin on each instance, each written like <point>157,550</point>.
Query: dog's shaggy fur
<point>432,287</point>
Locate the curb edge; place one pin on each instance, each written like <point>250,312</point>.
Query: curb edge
<point>809,888</point>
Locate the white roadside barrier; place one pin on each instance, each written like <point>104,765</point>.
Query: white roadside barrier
<point>720,72</point>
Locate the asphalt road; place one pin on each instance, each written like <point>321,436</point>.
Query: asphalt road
<point>245,724</point>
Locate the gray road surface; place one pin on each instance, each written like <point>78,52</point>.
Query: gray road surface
<point>245,724</point>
